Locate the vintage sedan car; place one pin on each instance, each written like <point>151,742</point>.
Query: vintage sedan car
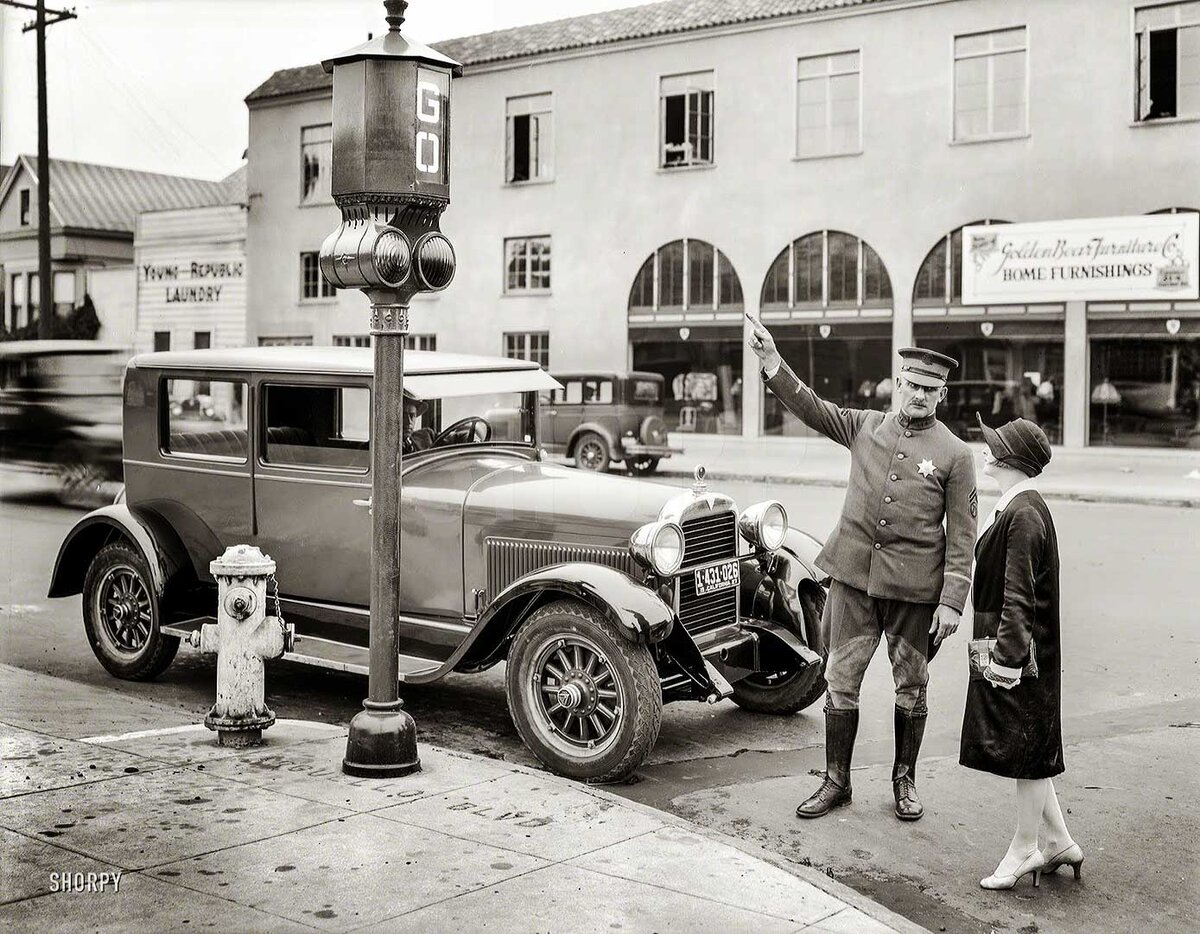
<point>598,419</point>
<point>607,596</point>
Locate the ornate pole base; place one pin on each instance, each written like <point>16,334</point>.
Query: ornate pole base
<point>382,742</point>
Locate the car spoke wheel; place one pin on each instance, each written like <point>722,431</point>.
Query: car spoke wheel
<point>591,453</point>
<point>585,700</point>
<point>121,615</point>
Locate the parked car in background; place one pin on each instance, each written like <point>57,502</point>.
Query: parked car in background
<point>598,419</point>
<point>607,596</point>
<point>60,410</point>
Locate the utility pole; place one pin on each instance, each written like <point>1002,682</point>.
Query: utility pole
<point>45,280</point>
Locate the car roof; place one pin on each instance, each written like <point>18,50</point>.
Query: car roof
<point>334,360</point>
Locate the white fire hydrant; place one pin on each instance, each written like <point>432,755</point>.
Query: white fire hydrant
<point>242,637</point>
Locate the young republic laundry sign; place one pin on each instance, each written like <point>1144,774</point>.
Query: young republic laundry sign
<point>1141,258</point>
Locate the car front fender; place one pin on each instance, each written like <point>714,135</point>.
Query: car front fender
<point>772,586</point>
<point>638,612</point>
<point>160,547</point>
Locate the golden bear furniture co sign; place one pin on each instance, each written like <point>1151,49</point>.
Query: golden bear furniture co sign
<point>1142,258</point>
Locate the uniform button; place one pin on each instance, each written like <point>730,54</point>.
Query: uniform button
<point>908,434</point>
<point>894,477</point>
<point>878,546</point>
<point>883,521</point>
<point>900,456</point>
<point>887,499</point>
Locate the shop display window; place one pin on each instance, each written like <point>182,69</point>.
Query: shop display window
<point>1144,392</point>
<point>850,367</point>
<point>703,381</point>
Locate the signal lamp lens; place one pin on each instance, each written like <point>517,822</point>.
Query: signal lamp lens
<point>435,261</point>
<point>392,257</point>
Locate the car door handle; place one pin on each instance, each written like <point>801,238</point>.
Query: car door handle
<point>553,412</point>
<point>363,502</point>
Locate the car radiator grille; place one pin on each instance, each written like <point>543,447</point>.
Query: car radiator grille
<point>509,559</point>
<point>707,539</point>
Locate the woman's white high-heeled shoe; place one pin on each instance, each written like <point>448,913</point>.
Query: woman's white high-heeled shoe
<point>1068,856</point>
<point>1031,863</point>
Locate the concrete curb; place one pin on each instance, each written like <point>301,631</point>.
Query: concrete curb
<point>1081,496</point>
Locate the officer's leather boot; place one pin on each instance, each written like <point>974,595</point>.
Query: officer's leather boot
<point>910,728</point>
<point>841,726</point>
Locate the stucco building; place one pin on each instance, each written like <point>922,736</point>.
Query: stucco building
<point>626,184</point>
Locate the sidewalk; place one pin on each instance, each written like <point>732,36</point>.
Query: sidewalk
<point>153,827</point>
<point>1144,476</point>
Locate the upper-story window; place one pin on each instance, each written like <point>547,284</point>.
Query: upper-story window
<point>828,112</point>
<point>527,264</point>
<point>990,87</point>
<point>530,345</point>
<point>1168,61</point>
<point>24,206</point>
<point>316,163</point>
<point>687,275</point>
<point>529,148</point>
<point>420,342</point>
<point>686,119</point>
<point>825,269</point>
<point>313,285</point>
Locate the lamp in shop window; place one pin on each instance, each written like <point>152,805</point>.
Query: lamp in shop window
<point>1104,395</point>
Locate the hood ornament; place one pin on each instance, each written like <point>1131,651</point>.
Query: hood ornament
<point>700,486</point>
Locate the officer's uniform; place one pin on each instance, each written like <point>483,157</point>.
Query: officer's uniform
<point>891,560</point>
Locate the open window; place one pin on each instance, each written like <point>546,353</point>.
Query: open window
<point>1167,44</point>
<point>317,426</point>
<point>686,105</point>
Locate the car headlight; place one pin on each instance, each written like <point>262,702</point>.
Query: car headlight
<point>658,546</point>
<point>764,525</point>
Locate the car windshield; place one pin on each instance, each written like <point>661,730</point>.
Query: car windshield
<point>501,418</point>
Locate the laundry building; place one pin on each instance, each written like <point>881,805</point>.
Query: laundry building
<point>626,184</point>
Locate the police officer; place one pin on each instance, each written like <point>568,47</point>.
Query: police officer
<point>897,572</point>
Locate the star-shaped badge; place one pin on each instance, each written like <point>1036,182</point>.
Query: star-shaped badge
<point>926,468</point>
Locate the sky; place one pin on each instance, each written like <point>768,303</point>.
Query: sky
<point>159,84</point>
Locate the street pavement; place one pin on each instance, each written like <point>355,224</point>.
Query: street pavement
<point>1131,647</point>
<point>158,828</point>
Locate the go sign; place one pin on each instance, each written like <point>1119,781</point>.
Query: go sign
<point>431,143</point>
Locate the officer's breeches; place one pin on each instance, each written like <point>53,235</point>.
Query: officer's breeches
<point>854,621</point>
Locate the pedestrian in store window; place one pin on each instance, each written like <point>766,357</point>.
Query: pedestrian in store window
<point>897,572</point>
<point>1011,726</point>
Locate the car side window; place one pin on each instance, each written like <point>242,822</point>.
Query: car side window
<point>574,390</point>
<point>209,424</point>
<point>602,392</point>
<point>317,426</point>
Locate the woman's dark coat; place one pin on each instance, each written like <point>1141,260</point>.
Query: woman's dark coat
<point>1017,733</point>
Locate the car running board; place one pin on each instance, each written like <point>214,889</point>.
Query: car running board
<point>323,653</point>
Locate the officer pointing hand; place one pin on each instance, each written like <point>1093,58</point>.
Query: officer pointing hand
<point>763,345</point>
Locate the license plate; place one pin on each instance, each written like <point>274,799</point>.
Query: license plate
<point>718,577</point>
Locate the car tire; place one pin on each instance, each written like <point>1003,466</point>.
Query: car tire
<point>592,453</point>
<point>614,683</point>
<point>121,615</point>
<point>786,692</point>
<point>643,466</point>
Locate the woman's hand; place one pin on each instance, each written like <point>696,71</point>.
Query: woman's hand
<point>999,681</point>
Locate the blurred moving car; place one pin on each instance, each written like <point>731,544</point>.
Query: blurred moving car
<point>60,410</point>
<point>597,419</point>
<point>607,596</point>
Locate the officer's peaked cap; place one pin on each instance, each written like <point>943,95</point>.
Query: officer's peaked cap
<point>1019,443</point>
<point>926,367</point>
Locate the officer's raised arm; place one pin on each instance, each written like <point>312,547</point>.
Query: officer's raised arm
<point>835,423</point>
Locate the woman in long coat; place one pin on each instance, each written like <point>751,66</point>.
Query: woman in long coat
<point>1011,726</point>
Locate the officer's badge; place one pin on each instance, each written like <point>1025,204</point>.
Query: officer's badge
<point>974,504</point>
<point>926,468</point>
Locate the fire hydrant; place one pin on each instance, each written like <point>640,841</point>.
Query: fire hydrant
<point>243,636</point>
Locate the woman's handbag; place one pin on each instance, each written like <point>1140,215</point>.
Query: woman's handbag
<point>979,653</point>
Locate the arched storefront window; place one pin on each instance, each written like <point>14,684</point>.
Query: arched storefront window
<point>939,280</point>
<point>685,323</point>
<point>827,269</point>
<point>686,275</point>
